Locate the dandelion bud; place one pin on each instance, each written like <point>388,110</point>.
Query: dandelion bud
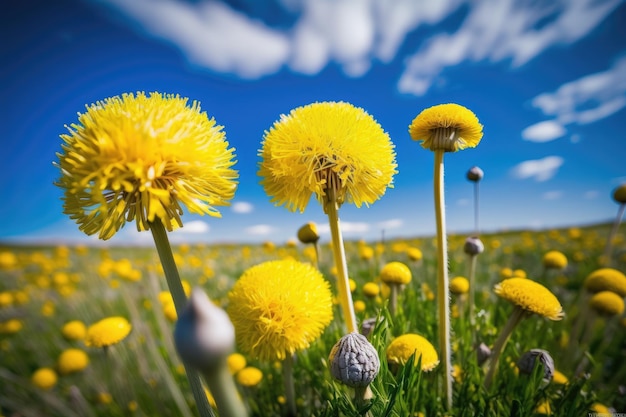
<point>527,361</point>
<point>482,353</point>
<point>473,246</point>
<point>308,233</point>
<point>475,174</point>
<point>203,335</point>
<point>619,194</point>
<point>354,361</point>
<point>368,325</point>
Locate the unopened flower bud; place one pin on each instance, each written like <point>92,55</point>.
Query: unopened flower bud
<point>619,194</point>
<point>527,361</point>
<point>308,233</point>
<point>482,353</point>
<point>354,361</point>
<point>204,335</point>
<point>473,246</point>
<point>368,325</point>
<point>475,174</point>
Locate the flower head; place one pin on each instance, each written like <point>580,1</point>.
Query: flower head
<point>459,285</point>
<point>308,233</point>
<point>249,376</point>
<point>475,174</point>
<point>607,303</point>
<point>606,279</point>
<point>619,194</point>
<point>143,158</point>
<point>279,307</point>
<point>72,360</point>
<point>44,378</point>
<point>74,330</point>
<point>107,332</point>
<point>554,260</point>
<point>530,296</point>
<point>331,149</point>
<point>401,348</point>
<point>395,273</point>
<point>448,127</point>
<point>354,361</point>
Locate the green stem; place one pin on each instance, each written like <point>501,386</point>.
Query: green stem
<point>290,392</point>
<point>476,208</point>
<point>393,298</point>
<point>343,284</point>
<point>472,295</point>
<point>443,296</point>
<point>317,253</point>
<point>498,346</point>
<point>175,286</point>
<point>223,388</point>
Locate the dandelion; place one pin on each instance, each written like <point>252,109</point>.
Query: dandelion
<point>72,360</point>
<point>554,260</point>
<point>371,289</point>
<point>403,347</point>
<point>107,332</point>
<point>444,128</point>
<point>145,158</point>
<point>459,285</point>
<point>279,308</point>
<point>249,376</point>
<point>44,378</point>
<point>309,234</point>
<point>606,279</point>
<point>559,378</point>
<point>339,153</point>
<point>414,254</point>
<point>74,330</point>
<point>619,195</point>
<point>528,297</point>
<point>396,275</point>
<point>236,362</point>
<point>607,303</point>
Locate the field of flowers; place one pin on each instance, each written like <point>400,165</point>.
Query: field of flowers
<point>51,363</point>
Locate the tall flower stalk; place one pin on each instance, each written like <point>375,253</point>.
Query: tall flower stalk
<point>444,128</point>
<point>143,158</point>
<point>339,153</point>
<point>619,195</point>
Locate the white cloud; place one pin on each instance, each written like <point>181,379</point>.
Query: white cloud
<point>539,169</point>
<point>346,227</point>
<point>195,226</point>
<point>545,131</point>
<point>390,224</point>
<point>242,207</point>
<point>591,194</point>
<point>260,230</point>
<point>498,30</point>
<point>552,195</point>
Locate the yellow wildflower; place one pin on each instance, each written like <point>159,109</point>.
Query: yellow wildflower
<point>459,285</point>
<point>554,260</point>
<point>401,348</point>
<point>279,307</point>
<point>371,289</point>
<point>44,378</point>
<point>395,273</point>
<point>236,362</point>
<point>72,360</point>
<point>249,376</point>
<point>530,296</point>
<point>107,332</point>
<point>607,303</point>
<point>143,158</point>
<point>606,279</point>
<point>74,330</point>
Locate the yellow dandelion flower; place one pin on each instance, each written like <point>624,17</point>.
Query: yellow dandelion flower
<point>530,296</point>
<point>44,378</point>
<point>236,362</point>
<point>326,147</point>
<point>279,307</point>
<point>359,306</point>
<point>11,326</point>
<point>414,254</point>
<point>72,360</point>
<point>8,260</point>
<point>143,158</point>
<point>308,233</point>
<point>401,348</point>
<point>107,332</point>
<point>104,398</point>
<point>559,378</point>
<point>554,260</point>
<point>448,127</point>
<point>600,408</point>
<point>249,376</point>
<point>459,285</point>
<point>606,279</point>
<point>543,408</point>
<point>371,289</point>
<point>74,330</point>
<point>366,253</point>
<point>506,272</point>
<point>169,310</point>
<point>352,284</point>
<point>519,273</point>
<point>395,273</point>
<point>6,299</point>
<point>607,303</point>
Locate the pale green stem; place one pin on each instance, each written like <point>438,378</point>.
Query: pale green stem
<point>290,392</point>
<point>393,298</point>
<point>472,295</point>
<point>498,346</point>
<point>443,296</point>
<point>223,389</point>
<point>362,396</point>
<point>317,253</point>
<point>609,243</point>
<point>180,299</point>
<point>476,208</point>
<point>343,284</point>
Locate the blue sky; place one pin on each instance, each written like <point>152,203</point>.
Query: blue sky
<point>546,79</point>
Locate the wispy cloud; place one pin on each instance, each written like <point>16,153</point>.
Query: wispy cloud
<point>242,207</point>
<point>260,230</point>
<point>538,169</point>
<point>498,30</point>
<point>346,227</point>
<point>194,227</point>
<point>390,224</point>
<point>545,131</point>
<point>582,101</point>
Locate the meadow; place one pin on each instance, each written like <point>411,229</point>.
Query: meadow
<point>42,289</point>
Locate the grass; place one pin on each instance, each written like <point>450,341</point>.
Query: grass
<point>45,287</point>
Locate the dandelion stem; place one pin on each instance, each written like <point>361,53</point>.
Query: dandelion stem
<point>472,295</point>
<point>178,295</point>
<point>393,298</point>
<point>343,285</point>
<point>606,261</point>
<point>290,393</point>
<point>476,204</point>
<point>223,388</point>
<point>443,301</point>
<point>498,346</point>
